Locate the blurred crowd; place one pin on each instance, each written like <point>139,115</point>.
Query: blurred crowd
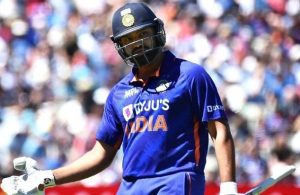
<point>57,65</point>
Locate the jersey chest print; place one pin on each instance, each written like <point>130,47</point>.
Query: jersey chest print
<point>146,108</point>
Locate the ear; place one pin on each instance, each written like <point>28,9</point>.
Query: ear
<point>112,38</point>
<point>159,21</point>
<point>161,31</point>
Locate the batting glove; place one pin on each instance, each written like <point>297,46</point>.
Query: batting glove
<point>33,182</point>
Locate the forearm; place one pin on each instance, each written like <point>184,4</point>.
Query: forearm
<point>225,154</point>
<point>224,148</point>
<point>88,165</point>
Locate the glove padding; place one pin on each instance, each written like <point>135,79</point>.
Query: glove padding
<point>33,182</point>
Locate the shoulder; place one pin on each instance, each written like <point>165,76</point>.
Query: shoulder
<point>187,68</point>
<point>191,70</point>
<point>118,88</point>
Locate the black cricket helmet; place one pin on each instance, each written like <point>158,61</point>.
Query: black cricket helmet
<point>133,17</point>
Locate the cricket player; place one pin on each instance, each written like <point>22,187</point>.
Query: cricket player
<point>163,113</point>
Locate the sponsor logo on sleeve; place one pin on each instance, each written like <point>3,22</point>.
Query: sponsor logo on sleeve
<point>211,108</point>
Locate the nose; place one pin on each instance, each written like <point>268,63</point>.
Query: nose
<point>137,46</point>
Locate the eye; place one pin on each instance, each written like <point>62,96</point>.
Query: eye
<point>125,40</point>
<point>144,34</point>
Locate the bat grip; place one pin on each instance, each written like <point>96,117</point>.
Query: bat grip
<point>25,164</point>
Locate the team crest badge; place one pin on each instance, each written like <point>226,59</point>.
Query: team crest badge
<point>128,20</point>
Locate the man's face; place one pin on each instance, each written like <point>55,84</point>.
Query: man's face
<point>138,41</point>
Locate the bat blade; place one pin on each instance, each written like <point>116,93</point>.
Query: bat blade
<point>286,171</point>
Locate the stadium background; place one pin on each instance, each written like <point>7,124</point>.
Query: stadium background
<point>57,65</point>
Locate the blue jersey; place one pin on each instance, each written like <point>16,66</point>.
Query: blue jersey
<point>162,124</point>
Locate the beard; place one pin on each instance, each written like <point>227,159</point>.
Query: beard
<point>143,58</point>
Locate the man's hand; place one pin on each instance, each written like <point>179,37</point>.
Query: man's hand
<point>33,182</point>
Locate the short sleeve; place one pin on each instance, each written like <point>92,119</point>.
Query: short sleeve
<point>110,129</point>
<point>205,98</point>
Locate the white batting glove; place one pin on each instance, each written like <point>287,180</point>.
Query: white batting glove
<point>33,182</point>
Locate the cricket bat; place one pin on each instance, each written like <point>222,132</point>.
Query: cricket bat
<point>286,171</point>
